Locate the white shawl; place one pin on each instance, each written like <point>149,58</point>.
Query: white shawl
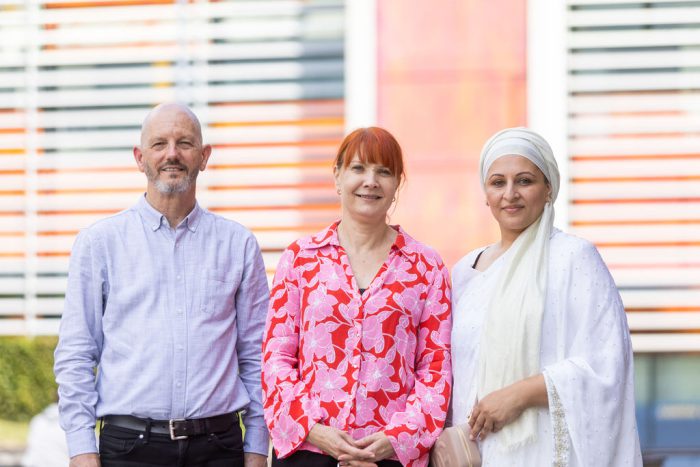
<point>510,340</point>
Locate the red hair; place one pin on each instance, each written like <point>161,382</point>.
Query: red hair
<point>372,145</point>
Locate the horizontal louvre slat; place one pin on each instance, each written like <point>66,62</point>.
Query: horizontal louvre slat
<point>634,114</point>
<point>625,60</point>
<point>634,17</point>
<point>265,77</point>
<point>611,82</point>
<point>627,39</point>
<point>148,96</point>
<point>663,321</point>
<point>663,342</point>
<point>90,56</point>
<point>583,146</point>
<point>686,101</point>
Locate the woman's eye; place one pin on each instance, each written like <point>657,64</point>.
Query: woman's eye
<point>357,167</point>
<point>525,181</point>
<point>497,182</point>
<point>386,172</point>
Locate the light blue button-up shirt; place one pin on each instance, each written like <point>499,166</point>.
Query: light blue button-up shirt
<point>172,318</point>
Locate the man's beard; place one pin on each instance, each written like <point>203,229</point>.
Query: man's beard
<point>172,186</point>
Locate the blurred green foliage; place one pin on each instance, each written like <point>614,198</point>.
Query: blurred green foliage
<point>26,376</point>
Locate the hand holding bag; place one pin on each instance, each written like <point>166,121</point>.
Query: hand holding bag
<point>453,448</point>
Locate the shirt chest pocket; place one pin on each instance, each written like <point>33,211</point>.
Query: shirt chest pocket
<point>217,291</point>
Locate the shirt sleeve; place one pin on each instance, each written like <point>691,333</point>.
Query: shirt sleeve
<point>251,307</point>
<point>290,409</point>
<point>413,432</point>
<point>593,379</point>
<point>80,346</point>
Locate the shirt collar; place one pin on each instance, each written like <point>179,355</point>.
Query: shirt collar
<point>155,219</point>
<point>329,236</point>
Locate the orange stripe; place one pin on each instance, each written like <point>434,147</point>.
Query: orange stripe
<point>11,255</point>
<point>275,165</point>
<point>635,200</point>
<point>618,157</point>
<point>12,192</point>
<point>12,234</point>
<point>86,212</point>
<point>300,122</point>
<point>654,266</point>
<point>90,190</point>
<point>298,186</point>
<point>307,207</point>
<point>11,130</point>
<point>12,152</point>
<point>636,222</point>
<point>646,244</point>
<point>304,102</point>
<point>306,143</point>
<point>12,172</point>
<point>683,309</point>
<point>53,254</point>
<point>11,213</point>
<point>87,170</point>
<point>677,178</point>
<point>53,233</point>
<point>100,4</point>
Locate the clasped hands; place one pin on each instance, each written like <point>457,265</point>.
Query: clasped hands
<point>363,452</point>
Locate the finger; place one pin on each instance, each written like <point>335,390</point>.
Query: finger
<point>474,416</point>
<point>487,428</point>
<point>477,426</point>
<point>366,441</point>
<point>348,452</point>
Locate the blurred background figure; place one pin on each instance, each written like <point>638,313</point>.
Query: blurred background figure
<point>46,442</point>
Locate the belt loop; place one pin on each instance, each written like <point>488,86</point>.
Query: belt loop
<point>102,424</point>
<point>149,422</point>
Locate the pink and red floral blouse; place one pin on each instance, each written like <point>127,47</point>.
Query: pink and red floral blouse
<point>362,363</point>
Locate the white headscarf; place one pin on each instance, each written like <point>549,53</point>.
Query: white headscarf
<point>510,340</point>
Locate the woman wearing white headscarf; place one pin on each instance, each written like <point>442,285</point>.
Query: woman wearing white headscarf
<point>540,345</point>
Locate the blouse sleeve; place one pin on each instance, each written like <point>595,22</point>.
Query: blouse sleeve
<point>413,431</point>
<point>290,409</point>
<point>593,380</point>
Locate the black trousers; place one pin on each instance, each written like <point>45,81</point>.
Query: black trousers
<point>122,447</point>
<point>303,458</point>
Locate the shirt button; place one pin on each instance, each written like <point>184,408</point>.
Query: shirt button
<point>178,385</point>
<point>179,277</point>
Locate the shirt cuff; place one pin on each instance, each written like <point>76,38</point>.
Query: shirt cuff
<point>256,440</point>
<point>82,441</point>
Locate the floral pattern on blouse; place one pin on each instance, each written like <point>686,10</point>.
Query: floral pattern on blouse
<point>361,363</point>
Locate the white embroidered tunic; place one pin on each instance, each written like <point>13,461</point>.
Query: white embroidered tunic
<point>585,356</point>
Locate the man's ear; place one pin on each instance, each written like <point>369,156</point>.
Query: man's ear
<point>138,157</point>
<point>206,152</point>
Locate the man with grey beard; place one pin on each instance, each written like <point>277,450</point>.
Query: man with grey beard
<point>167,301</point>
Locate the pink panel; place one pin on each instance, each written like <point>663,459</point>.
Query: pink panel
<point>450,74</point>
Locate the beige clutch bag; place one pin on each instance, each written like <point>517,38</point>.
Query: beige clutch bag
<point>453,448</point>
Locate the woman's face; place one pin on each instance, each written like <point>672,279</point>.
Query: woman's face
<point>366,190</point>
<point>516,192</point>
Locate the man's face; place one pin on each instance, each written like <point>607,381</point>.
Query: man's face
<point>171,153</point>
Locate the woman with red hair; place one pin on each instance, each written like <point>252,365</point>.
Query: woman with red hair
<point>356,358</point>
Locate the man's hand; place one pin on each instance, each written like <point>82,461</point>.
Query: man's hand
<point>377,443</point>
<point>251,459</point>
<point>335,443</point>
<point>85,460</point>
